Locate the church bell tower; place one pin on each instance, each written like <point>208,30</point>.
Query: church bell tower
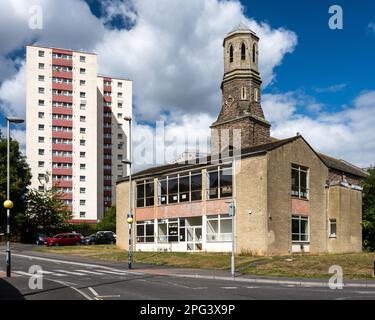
<point>241,116</point>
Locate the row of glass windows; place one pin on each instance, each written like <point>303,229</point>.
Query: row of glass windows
<point>219,228</point>
<point>185,187</point>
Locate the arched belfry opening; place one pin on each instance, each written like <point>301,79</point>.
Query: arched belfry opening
<point>231,53</point>
<point>243,51</point>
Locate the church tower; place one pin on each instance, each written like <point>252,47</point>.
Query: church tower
<point>241,116</point>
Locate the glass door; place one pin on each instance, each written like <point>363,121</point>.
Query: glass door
<point>193,238</point>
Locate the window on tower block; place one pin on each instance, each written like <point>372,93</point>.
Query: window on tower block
<point>300,178</point>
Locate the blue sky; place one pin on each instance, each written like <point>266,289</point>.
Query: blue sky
<point>316,81</point>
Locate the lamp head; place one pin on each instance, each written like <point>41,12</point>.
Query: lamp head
<point>15,119</point>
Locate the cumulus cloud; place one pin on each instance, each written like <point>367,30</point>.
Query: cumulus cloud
<point>13,94</point>
<point>347,134</point>
<point>175,55</point>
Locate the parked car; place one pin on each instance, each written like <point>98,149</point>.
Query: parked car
<point>40,238</point>
<point>64,239</point>
<point>101,237</point>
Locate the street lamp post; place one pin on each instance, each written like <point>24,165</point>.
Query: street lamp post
<point>8,204</point>
<point>130,213</point>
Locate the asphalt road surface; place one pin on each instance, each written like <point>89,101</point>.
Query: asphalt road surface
<point>74,278</point>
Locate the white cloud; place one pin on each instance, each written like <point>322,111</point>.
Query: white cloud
<point>347,134</point>
<point>16,134</point>
<point>333,88</point>
<point>13,94</point>
<point>174,52</point>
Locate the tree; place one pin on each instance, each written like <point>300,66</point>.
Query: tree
<point>108,222</point>
<point>369,211</point>
<point>45,207</point>
<point>20,177</point>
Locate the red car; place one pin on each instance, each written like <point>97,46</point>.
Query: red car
<point>64,239</point>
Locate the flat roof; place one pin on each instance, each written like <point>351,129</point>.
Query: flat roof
<point>112,77</point>
<point>45,47</point>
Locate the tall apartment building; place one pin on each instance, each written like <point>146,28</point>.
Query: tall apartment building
<point>75,128</point>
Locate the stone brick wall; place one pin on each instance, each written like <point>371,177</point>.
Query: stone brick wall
<point>250,131</point>
<point>251,194</point>
<point>280,208</point>
<point>345,205</point>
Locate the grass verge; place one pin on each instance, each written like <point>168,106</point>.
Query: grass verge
<point>355,266</point>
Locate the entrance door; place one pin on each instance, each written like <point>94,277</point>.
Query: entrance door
<point>193,238</point>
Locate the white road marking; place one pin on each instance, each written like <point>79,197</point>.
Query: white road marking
<point>91,272</point>
<point>93,292</point>
<point>73,263</point>
<point>24,273</point>
<point>71,272</point>
<point>121,273</point>
<point>229,288</point>
<point>64,283</point>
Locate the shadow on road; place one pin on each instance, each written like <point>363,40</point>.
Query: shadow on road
<point>8,291</point>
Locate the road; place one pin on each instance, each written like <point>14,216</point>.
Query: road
<point>77,278</point>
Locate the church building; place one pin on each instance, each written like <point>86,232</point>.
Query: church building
<point>269,196</point>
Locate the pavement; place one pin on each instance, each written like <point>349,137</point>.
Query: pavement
<point>77,278</point>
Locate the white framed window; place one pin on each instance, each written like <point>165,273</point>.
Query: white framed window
<point>300,229</point>
<point>82,71</point>
<point>332,228</point>
<point>41,53</point>
<point>82,142</point>
<point>82,82</point>
<point>82,59</point>
<point>82,178</point>
<point>119,94</point>
<point>41,152</point>
<point>82,130</point>
<point>41,127</point>
<point>41,90</point>
<point>40,164</point>
<point>82,118</point>
<point>82,166</point>
<point>145,231</point>
<point>41,139</point>
<point>82,202</point>
<point>219,228</point>
<point>82,106</point>
<point>119,105</point>
<point>41,78</point>
<point>119,84</point>
<point>82,190</point>
<point>82,214</point>
<point>41,66</point>
<point>300,181</point>
<point>82,154</point>
<point>40,115</point>
<point>82,94</point>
